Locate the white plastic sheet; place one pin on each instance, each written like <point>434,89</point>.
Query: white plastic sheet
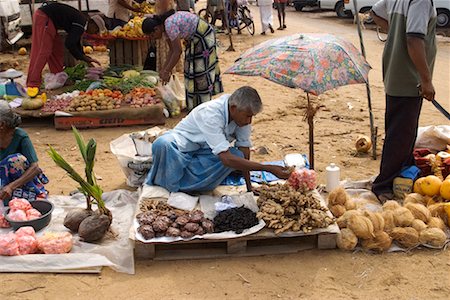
<point>433,137</point>
<point>115,250</point>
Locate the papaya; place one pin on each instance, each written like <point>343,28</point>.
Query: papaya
<point>32,91</point>
<point>32,104</point>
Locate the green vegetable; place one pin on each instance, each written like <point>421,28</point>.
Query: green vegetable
<point>80,85</point>
<point>77,72</point>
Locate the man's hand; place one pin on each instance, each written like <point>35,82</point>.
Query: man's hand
<point>279,171</point>
<point>427,91</point>
<point>6,192</point>
<point>92,61</point>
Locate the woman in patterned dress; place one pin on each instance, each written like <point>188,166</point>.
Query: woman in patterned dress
<point>201,64</point>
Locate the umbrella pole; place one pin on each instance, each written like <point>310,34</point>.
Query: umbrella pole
<point>373,129</point>
<point>310,118</point>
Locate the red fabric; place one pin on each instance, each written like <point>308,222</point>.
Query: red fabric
<point>46,47</point>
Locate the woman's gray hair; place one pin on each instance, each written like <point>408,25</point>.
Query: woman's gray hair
<point>7,116</point>
<point>245,98</point>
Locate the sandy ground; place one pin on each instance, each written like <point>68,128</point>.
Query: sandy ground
<point>280,128</point>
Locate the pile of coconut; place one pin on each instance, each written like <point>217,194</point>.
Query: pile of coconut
<point>377,227</point>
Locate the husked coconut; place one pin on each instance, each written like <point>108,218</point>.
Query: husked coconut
<point>414,198</point>
<point>403,217</point>
<point>433,236</point>
<point>380,242</point>
<point>419,225</point>
<point>376,219</point>
<point>361,226</point>
<point>438,210</point>
<point>346,239</point>
<point>391,205</point>
<point>350,204</point>
<point>342,220</point>
<point>419,211</point>
<point>406,237</point>
<point>337,196</point>
<point>337,210</point>
<point>436,222</point>
<point>389,220</point>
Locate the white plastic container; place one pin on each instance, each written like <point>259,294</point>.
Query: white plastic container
<point>333,175</point>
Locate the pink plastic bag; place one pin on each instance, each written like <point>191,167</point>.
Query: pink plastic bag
<point>9,245</point>
<point>55,81</point>
<point>25,231</point>
<point>33,214</point>
<point>27,244</point>
<point>3,222</point>
<point>55,242</point>
<point>18,203</point>
<point>17,215</point>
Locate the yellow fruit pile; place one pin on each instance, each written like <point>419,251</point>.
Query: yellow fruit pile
<point>133,29</point>
<point>433,186</point>
<point>145,8</point>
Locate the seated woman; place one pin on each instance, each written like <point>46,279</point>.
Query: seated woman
<point>201,64</point>
<point>20,175</point>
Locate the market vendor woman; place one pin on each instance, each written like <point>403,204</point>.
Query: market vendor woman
<point>47,46</point>
<point>20,175</point>
<point>209,144</point>
<point>201,64</point>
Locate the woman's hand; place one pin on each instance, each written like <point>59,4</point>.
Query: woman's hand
<point>92,61</point>
<point>6,192</point>
<point>164,76</point>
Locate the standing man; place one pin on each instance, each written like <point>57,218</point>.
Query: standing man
<point>119,13</point>
<point>265,11</point>
<point>281,8</point>
<point>408,62</point>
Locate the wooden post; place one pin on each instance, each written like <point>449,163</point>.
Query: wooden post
<point>310,119</point>
<point>227,25</point>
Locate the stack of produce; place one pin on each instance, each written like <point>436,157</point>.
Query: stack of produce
<point>284,208</point>
<point>235,219</point>
<point>145,9</point>
<point>409,225</point>
<point>133,29</point>
<point>89,224</point>
<point>437,189</point>
<point>96,100</point>
<point>24,241</point>
<point>21,210</point>
<point>141,97</point>
<point>60,102</point>
<point>158,219</point>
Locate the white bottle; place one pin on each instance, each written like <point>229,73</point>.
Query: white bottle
<point>333,174</point>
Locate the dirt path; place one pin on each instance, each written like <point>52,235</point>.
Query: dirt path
<point>280,128</point>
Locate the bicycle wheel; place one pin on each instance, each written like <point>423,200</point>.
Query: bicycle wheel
<point>381,35</point>
<point>205,15</point>
<point>251,28</point>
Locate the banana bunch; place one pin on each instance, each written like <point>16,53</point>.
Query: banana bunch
<point>145,8</point>
<point>133,29</point>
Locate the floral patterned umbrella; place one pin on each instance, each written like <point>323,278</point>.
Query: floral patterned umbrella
<point>314,63</point>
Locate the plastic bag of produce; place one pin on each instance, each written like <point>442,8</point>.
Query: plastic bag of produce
<point>55,242</point>
<point>19,204</point>
<point>55,81</point>
<point>170,98</point>
<point>25,231</point>
<point>27,244</point>
<point>33,214</point>
<point>9,245</point>
<point>17,215</point>
<point>3,222</point>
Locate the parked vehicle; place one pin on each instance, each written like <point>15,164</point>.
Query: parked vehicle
<point>86,5</point>
<point>10,20</point>
<point>442,8</point>
<point>337,6</point>
<point>300,4</point>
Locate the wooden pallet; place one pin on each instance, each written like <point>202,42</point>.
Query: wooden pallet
<point>264,242</point>
<point>128,52</point>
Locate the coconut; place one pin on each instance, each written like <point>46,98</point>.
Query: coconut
<point>389,220</point>
<point>379,243</point>
<point>419,211</point>
<point>391,205</point>
<point>338,196</point>
<point>74,218</point>
<point>376,219</point>
<point>436,222</point>
<point>346,239</point>
<point>406,237</point>
<point>418,225</point>
<point>337,210</point>
<point>438,210</point>
<point>403,217</point>
<point>350,204</point>
<point>361,226</point>
<point>342,220</point>
<point>414,198</point>
<point>94,227</point>
<point>433,236</point>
